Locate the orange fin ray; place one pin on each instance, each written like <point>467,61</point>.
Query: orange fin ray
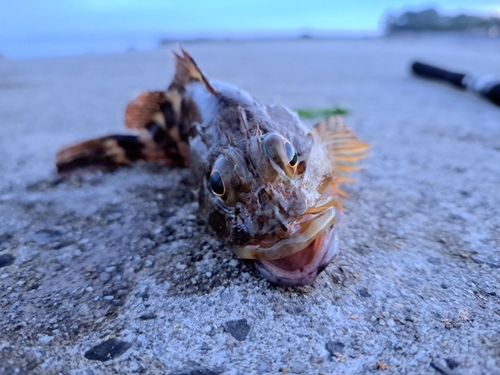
<point>344,148</point>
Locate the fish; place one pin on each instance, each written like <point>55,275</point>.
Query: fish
<point>268,182</point>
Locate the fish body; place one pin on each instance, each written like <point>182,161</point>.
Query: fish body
<point>268,182</point>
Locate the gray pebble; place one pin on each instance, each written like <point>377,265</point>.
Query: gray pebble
<point>107,350</point>
<point>335,347</point>
<point>83,309</point>
<point>298,367</point>
<point>237,328</point>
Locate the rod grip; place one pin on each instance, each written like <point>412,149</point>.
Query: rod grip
<point>430,71</point>
<point>494,94</point>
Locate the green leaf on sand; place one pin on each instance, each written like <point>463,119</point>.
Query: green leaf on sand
<point>322,112</point>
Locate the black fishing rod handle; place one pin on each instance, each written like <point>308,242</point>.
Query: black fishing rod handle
<point>429,71</point>
<point>493,94</point>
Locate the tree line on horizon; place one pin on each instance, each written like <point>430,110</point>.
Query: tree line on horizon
<point>431,20</point>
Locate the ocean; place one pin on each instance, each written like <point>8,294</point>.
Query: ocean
<point>73,45</point>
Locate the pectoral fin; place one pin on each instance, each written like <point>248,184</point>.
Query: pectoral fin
<point>344,148</point>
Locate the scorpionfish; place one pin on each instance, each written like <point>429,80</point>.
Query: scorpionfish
<point>268,181</point>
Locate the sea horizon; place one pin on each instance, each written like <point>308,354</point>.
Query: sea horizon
<point>80,44</point>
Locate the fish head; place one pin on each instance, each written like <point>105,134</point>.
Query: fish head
<point>268,195</point>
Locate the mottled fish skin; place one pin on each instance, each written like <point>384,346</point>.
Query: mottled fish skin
<point>234,131</point>
<point>268,182</point>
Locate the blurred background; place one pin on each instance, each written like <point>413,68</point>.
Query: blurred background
<point>33,29</point>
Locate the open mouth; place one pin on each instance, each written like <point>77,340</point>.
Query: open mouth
<point>298,258</point>
<point>303,267</point>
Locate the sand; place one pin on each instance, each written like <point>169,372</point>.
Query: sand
<point>123,260</point>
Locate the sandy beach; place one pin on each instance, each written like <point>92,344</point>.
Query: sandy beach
<point>123,260</point>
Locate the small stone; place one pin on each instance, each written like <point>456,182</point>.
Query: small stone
<point>237,328</point>
<point>110,269</point>
<point>298,368</point>
<point>231,342</point>
<point>4,275</point>
<point>208,274</point>
<point>109,298</point>
<point>411,318</point>
<point>163,247</point>
<point>89,289</point>
<point>420,357</point>
<point>148,316</point>
<point>452,364</point>
<point>45,339</point>
<point>489,262</point>
<point>25,254</point>
<point>104,277</point>
<point>334,347</point>
<point>434,260</point>
<point>83,309</point>
<point>180,266</point>
<point>233,262</point>
<point>107,350</point>
<point>364,293</point>
<point>439,367</point>
<point>148,263</point>
<point>413,282</point>
<point>316,360</point>
<point>391,323</point>
<point>263,368</point>
<point>382,366</point>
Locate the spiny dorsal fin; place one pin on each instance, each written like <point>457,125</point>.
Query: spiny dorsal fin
<point>187,71</point>
<point>344,147</point>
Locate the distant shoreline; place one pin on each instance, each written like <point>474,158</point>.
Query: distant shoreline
<point>35,49</point>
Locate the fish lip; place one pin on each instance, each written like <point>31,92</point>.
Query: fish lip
<point>315,225</point>
<point>305,275</point>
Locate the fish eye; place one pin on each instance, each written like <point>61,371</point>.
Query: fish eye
<point>217,183</point>
<point>281,153</point>
<point>291,154</point>
<point>223,180</point>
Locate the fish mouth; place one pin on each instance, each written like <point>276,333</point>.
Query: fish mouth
<point>303,267</point>
<point>298,258</point>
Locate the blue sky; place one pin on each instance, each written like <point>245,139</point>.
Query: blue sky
<point>32,21</point>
